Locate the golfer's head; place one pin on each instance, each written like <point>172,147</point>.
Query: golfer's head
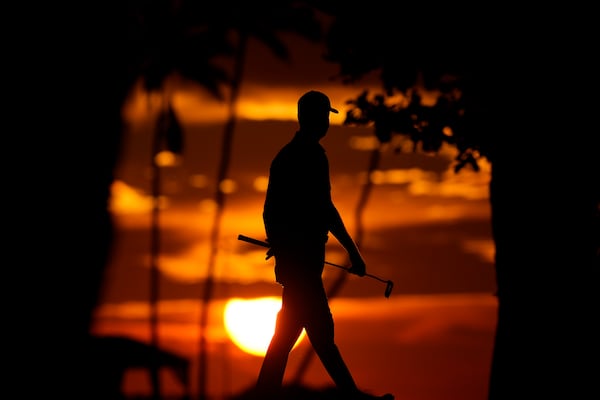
<point>313,112</point>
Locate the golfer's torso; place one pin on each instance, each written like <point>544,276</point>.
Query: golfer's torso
<point>298,200</point>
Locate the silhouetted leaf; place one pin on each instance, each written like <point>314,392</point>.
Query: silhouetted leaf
<point>459,165</point>
<point>466,158</point>
<point>272,41</point>
<point>473,163</point>
<point>383,132</point>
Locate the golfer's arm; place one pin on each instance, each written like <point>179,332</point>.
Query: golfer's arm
<point>339,231</point>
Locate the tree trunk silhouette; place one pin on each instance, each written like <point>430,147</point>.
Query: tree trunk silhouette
<point>154,274</point>
<point>168,135</point>
<point>222,174</point>
<point>337,285</point>
<point>545,256</point>
<point>154,254</point>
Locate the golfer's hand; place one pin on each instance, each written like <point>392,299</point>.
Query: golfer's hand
<point>269,254</point>
<point>358,266</point>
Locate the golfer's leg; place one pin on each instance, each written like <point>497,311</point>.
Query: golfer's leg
<point>321,335</point>
<point>287,331</point>
<point>320,332</point>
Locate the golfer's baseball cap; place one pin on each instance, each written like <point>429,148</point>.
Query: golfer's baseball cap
<point>314,101</point>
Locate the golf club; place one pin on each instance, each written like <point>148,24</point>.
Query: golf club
<point>389,284</point>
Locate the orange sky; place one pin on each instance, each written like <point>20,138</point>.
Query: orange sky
<point>427,229</point>
<point>416,346</point>
<point>270,88</point>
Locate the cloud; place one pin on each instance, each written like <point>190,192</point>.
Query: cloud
<point>190,266</point>
<point>403,319</point>
<point>126,199</point>
<point>421,318</point>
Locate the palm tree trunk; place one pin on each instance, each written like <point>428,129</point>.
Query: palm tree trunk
<point>222,174</point>
<point>154,254</point>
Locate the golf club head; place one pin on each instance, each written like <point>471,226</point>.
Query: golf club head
<point>388,289</point>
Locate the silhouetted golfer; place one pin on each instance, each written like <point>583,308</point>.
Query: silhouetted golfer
<point>298,216</point>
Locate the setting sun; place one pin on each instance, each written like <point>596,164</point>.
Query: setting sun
<point>250,323</point>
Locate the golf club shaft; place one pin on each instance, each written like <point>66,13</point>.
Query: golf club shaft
<point>267,245</point>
